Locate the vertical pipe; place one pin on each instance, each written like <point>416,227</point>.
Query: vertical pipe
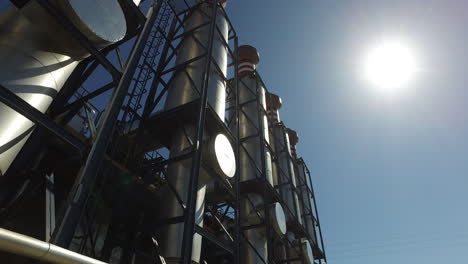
<point>41,55</point>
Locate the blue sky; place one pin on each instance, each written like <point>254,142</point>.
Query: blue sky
<point>389,171</point>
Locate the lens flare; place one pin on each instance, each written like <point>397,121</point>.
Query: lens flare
<point>390,66</point>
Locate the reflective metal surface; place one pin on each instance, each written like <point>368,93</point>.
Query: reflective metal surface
<point>256,236</point>
<point>249,125</point>
<point>253,126</point>
<point>182,90</point>
<point>308,254</point>
<point>103,21</point>
<point>278,218</point>
<point>222,156</point>
<point>305,196</point>
<point>40,250</point>
<point>38,56</point>
<point>286,175</point>
<point>178,176</point>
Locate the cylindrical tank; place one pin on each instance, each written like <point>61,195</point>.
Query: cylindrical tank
<point>186,84</point>
<point>38,56</point>
<point>184,88</point>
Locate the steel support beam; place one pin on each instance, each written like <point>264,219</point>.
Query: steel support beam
<point>85,180</point>
<point>189,226</point>
<point>19,105</point>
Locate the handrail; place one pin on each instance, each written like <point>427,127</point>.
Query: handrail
<point>34,248</point>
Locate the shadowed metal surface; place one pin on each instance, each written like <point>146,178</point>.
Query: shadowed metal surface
<point>40,250</point>
<point>251,153</point>
<point>254,156</point>
<point>40,57</point>
<point>285,174</point>
<point>306,209</point>
<point>186,87</point>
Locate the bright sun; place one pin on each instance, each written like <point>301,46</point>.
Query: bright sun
<point>390,66</point>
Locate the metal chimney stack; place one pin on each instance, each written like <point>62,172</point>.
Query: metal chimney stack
<point>38,55</point>
<point>303,188</point>
<point>251,118</point>
<point>274,104</point>
<point>254,154</point>
<point>185,87</point>
<point>293,140</point>
<point>284,173</point>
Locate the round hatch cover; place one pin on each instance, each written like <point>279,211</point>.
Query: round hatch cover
<point>101,20</point>
<point>224,155</point>
<point>279,219</point>
<point>308,254</point>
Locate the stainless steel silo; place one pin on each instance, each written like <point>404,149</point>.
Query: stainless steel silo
<point>184,88</point>
<point>38,56</point>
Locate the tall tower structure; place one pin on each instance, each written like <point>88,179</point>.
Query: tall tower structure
<point>168,149</point>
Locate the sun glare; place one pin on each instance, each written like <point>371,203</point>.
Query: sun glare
<point>390,66</point>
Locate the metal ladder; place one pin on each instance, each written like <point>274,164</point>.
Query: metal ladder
<point>146,67</point>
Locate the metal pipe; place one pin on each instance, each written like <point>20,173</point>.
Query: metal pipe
<point>39,55</point>
<point>33,248</point>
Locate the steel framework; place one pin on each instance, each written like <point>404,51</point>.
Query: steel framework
<point>132,137</point>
